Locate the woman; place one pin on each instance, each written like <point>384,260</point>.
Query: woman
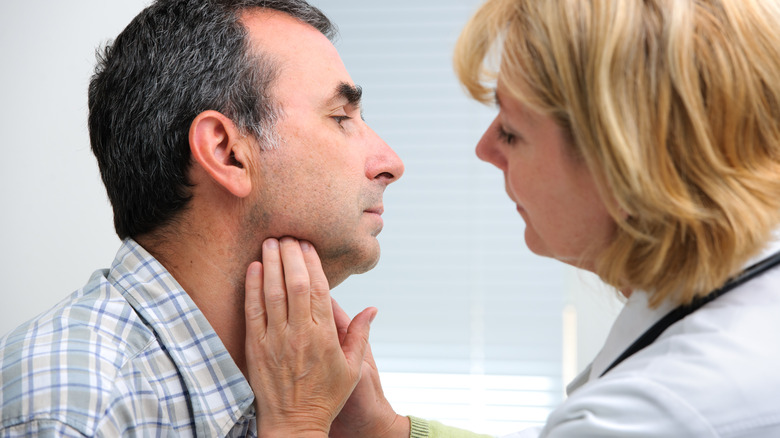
<point>640,140</point>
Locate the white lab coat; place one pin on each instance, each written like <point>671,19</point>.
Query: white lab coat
<point>715,373</point>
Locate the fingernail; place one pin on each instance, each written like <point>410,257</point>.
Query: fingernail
<point>370,320</point>
<point>305,246</point>
<point>272,243</point>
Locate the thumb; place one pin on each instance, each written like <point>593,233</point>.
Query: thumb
<point>341,318</point>
<point>355,342</point>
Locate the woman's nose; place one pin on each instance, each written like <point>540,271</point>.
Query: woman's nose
<point>487,147</point>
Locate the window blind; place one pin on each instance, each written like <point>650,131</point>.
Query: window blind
<point>470,322</point>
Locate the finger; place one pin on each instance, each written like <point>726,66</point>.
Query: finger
<point>254,306</point>
<point>356,341</point>
<point>341,318</point>
<point>321,308</point>
<point>273,285</point>
<point>296,280</point>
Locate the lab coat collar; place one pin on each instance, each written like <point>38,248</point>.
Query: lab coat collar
<point>632,321</point>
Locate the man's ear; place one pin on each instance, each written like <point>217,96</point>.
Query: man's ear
<point>221,150</point>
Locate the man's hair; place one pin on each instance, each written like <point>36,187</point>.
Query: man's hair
<point>674,107</point>
<point>176,59</point>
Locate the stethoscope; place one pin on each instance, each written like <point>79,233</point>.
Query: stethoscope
<point>649,336</point>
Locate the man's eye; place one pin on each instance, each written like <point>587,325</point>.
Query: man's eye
<point>340,119</point>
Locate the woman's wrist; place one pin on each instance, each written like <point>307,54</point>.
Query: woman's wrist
<point>401,427</point>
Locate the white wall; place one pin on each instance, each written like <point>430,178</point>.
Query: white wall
<point>56,224</point>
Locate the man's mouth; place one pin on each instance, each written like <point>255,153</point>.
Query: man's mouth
<point>375,210</point>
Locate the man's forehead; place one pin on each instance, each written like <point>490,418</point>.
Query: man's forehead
<point>279,32</point>
<point>309,66</point>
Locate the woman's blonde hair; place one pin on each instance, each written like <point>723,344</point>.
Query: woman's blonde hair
<point>674,105</point>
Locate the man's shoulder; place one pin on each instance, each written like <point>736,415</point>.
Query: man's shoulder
<point>95,319</point>
<point>73,362</point>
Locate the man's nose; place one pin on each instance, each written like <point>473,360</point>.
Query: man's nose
<point>386,165</point>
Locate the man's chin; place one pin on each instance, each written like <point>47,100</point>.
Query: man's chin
<point>340,271</point>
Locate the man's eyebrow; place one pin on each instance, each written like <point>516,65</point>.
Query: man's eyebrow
<point>353,93</point>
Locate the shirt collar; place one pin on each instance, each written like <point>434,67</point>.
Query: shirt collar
<point>219,392</point>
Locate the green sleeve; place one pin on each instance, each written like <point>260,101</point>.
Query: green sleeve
<point>433,429</point>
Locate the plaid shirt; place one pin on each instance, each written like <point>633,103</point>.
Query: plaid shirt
<point>129,354</point>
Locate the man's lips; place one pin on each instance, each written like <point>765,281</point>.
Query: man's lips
<point>375,214</point>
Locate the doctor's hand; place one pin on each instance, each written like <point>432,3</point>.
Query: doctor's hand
<point>367,413</point>
<point>299,369</point>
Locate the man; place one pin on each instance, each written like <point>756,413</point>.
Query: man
<point>216,124</point>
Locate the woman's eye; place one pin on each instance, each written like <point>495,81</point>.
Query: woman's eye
<point>505,136</point>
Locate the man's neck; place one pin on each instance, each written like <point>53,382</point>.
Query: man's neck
<point>211,269</point>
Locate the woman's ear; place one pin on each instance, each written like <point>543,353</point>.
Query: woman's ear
<point>220,149</point>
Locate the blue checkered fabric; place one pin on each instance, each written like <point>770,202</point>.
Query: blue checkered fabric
<point>129,354</point>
